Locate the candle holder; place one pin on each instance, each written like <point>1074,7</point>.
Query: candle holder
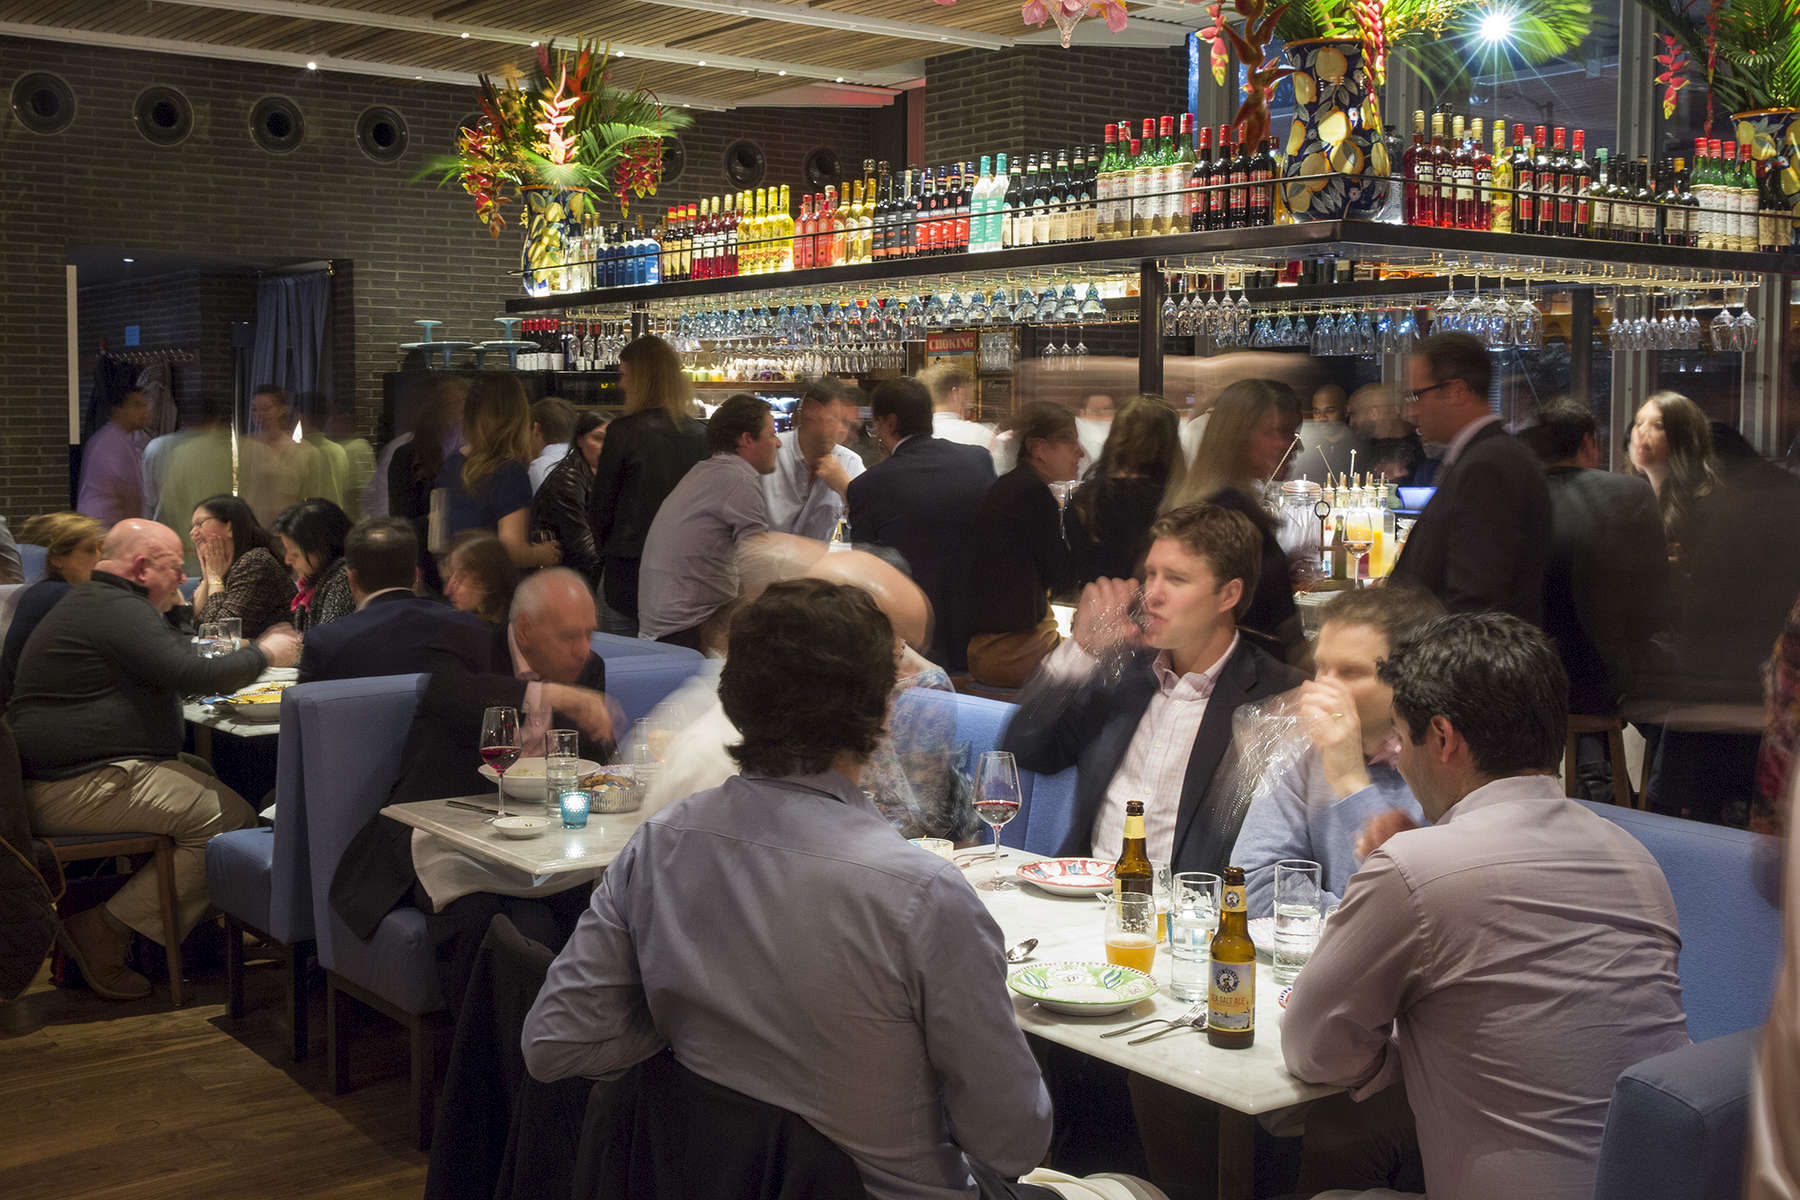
<point>575,805</point>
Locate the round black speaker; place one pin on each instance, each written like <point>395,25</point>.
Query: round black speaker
<point>821,167</point>
<point>163,115</point>
<point>674,159</point>
<point>277,125</point>
<point>381,133</point>
<point>745,163</point>
<point>43,102</point>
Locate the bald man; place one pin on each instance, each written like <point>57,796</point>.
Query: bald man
<point>909,774</point>
<point>96,710</point>
<point>556,681</point>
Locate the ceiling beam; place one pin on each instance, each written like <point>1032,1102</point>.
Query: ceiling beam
<point>825,18</point>
<point>278,58</point>
<point>458,30</point>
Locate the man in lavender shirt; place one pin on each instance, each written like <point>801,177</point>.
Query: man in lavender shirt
<point>786,943</point>
<point>1504,963</point>
<point>112,473</point>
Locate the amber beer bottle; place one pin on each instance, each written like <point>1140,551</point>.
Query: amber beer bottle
<point>1132,872</point>
<point>1231,994</point>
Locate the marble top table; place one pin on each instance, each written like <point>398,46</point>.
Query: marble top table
<point>207,719</point>
<point>556,851</point>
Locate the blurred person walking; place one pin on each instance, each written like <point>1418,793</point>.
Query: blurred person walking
<point>485,483</point>
<point>112,471</point>
<point>1117,502</point>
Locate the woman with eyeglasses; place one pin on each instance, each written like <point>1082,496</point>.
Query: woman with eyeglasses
<point>240,574</point>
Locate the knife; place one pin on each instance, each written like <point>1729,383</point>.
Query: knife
<point>492,812</point>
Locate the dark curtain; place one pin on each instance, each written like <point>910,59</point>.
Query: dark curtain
<point>293,335</point>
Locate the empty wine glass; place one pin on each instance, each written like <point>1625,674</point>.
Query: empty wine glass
<point>1745,330</point>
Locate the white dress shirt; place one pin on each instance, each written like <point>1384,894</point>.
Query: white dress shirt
<point>799,501</point>
<point>1465,435</point>
<point>539,468</point>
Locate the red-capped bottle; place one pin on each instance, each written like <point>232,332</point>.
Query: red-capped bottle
<point>1413,163</point>
<point>1543,172</point>
<point>1199,199</point>
<point>1218,201</point>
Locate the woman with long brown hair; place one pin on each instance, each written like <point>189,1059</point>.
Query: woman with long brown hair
<point>1139,464</point>
<point>71,542</point>
<point>1672,446</point>
<point>645,454</point>
<point>485,482</point>
<point>1252,425</point>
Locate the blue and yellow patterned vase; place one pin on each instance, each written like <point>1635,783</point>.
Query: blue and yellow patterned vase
<point>1774,134</point>
<point>541,258</point>
<point>1336,164</point>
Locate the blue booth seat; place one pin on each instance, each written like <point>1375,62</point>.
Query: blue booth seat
<point>1677,1124</point>
<point>34,560</point>
<point>640,673</point>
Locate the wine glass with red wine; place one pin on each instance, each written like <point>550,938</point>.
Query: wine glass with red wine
<point>997,798</point>
<point>500,744</point>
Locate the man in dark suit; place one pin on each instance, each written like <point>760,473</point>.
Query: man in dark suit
<point>393,631</point>
<point>921,501</point>
<point>556,681</point>
<point>1606,585</point>
<point>1482,543</point>
<point>1145,714</point>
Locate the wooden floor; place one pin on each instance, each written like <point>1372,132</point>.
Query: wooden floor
<point>101,1099</point>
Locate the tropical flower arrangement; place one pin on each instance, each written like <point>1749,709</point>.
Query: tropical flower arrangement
<point>1750,48</point>
<point>565,128</point>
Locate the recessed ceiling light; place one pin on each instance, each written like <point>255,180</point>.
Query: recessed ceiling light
<point>312,66</point>
<point>702,62</point>
<point>130,260</point>
<point>781,72</point>
<point>534,45</point>
<point>840,79</point>
<point>465,33</point>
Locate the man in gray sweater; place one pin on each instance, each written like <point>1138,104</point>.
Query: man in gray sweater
<point>96,711</point>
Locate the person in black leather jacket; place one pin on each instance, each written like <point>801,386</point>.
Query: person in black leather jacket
<point>647,451</point>
<point>560,506</point>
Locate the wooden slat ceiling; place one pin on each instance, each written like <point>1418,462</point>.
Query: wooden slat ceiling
<point>426,38</point>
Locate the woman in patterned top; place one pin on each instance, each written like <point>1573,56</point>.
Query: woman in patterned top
<point>311,538</point>
<point>239,573</point>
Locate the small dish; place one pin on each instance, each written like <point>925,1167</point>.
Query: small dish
<point>1082,989</point>
<point>522,827</point>
<point>1069,876</point>
<point>525,778</point>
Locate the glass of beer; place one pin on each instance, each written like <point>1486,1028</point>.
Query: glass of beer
<point>1131,930</point>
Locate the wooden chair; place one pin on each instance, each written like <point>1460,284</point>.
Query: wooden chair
<point>85,847</point>
<point>1614,729</point>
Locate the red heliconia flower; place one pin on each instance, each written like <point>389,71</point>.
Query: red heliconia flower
<point>1673,76</point>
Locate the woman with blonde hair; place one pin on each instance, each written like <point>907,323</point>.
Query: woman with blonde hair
<point>1140,463</point>
<point>1672,446</point>
<point>485,483</point>
<point>71,542</point>
<point>645,454</point>
<point>1253,423</point>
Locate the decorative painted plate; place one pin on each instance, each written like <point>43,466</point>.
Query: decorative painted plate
<point>1069,876</point>
<point>259,703</point>
<point>1082,989</point>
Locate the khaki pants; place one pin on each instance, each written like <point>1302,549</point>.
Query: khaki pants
<point>1006,660</point>
<point>171,798</point>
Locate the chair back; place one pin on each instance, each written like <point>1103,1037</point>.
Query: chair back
<point>1677,1124</point>
<point>290,882</point>
<point>611,646</point>
<point>350,733</point>
<point>1727,889</point>
<point>9,604</point>
<point>34,560</point>
<point>640,673</point>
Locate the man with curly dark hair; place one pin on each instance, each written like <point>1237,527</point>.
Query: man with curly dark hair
<point>787,944</point>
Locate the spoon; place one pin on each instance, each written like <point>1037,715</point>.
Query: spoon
<point>1021,951</point>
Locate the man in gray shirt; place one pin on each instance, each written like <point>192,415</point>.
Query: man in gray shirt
<point>788,944</point>
<point>690,567</point>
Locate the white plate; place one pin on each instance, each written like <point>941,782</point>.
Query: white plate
<point>525,778</point>
<point>1069,876</point>
<point>1262,934</point>
<point>521,827</point>
<point>1082,989</point>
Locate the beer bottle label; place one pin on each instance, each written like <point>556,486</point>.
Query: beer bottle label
<point>1231,997</point>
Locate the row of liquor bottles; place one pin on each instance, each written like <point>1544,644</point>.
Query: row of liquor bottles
<point>1547,186</point>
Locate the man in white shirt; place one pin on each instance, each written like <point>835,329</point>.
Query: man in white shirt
<point>1145,712</point>
<point>952,389</point>
<point>552,425</point>
<point>805,493</point>
<point>1506,962</point>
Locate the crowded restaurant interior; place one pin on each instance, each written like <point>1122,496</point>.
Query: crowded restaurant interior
<point>810,599</point>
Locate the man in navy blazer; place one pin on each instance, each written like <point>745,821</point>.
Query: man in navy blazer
<point>393,631</point>
<point>920,501</point>
<point>1146,713</point>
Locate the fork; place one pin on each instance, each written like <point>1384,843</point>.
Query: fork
<point>1194,1013</point>
<point>1190,1019</point>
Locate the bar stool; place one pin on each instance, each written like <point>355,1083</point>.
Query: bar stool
<point>1614,729</point>
<point>84,847</point>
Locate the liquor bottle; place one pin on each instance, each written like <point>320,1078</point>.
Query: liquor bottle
<point>1200,178</point>
<point>1599,199</point>
<point>1218,199</point>
<point>729,247</point>
<point>868,214</point>
<point>824,223</point>
<point>1524,180</point>
<point>716,250</point>
<point>1415,172</point>
<point>1240,180</point>
<point>1724,189</point>
<point>1643,199</point>
<point>952,208</point>
<point>1019,201</point>
<point>1671,218</point>
<point>1745,189</point>
<point>856,223</point>
<point>1462,174</point>
<point>750,234</point>
<point>1133,873</point>
<point>1543,182</point>
<point>881,243</point>
<point>1564,172</point>
<point>956,233</point>
<point>1086,183</point>
<point>783,232</point>
<point>1439,208</point>
<point>1690,206</point>
<point>690,215</point>
<point>931,212</point>
<point>1163,179</point>
<point>1104,179</point>
<point>978,205</point>
<point>651,241</point>
<point>1057,203</point>
<point>1037,195</point>
<point>671,243</point>
<point>1012,204</point>
<point>803,235</point>
<point>1181,178</point>
<point>1500,183</point>
<point>843,227</point>
<point>699,254</point>
<point>1231,992</point>
<point>1262,185</point>
<point>1584,179</point>
<point>1483,215</point>
<point>1705,187</point>
<point>1144,179</point>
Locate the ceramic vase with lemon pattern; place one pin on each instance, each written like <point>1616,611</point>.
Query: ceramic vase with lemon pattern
<point>1336,163</point>
<point>1774,134</point>
<point>543,257</point>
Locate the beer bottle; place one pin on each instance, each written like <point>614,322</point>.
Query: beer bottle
<point>1132,872</point>
<point>1231,994</point>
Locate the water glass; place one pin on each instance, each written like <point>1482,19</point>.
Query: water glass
<point>1193,920</point>
<point>231,634</point>
<point>1297,916</point>
<point>206,642</point>
<point>1131,930</point>
<point>562,766</point>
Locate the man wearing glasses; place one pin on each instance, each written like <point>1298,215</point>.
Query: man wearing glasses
<point>1484,540</point>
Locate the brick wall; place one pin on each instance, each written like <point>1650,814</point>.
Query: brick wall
<point>401,250</point>
<point>1039,98</point>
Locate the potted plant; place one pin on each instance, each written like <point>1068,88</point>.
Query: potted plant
<point>556,141</point>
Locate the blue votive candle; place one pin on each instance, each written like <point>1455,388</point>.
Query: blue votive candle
<point>575,806</point>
